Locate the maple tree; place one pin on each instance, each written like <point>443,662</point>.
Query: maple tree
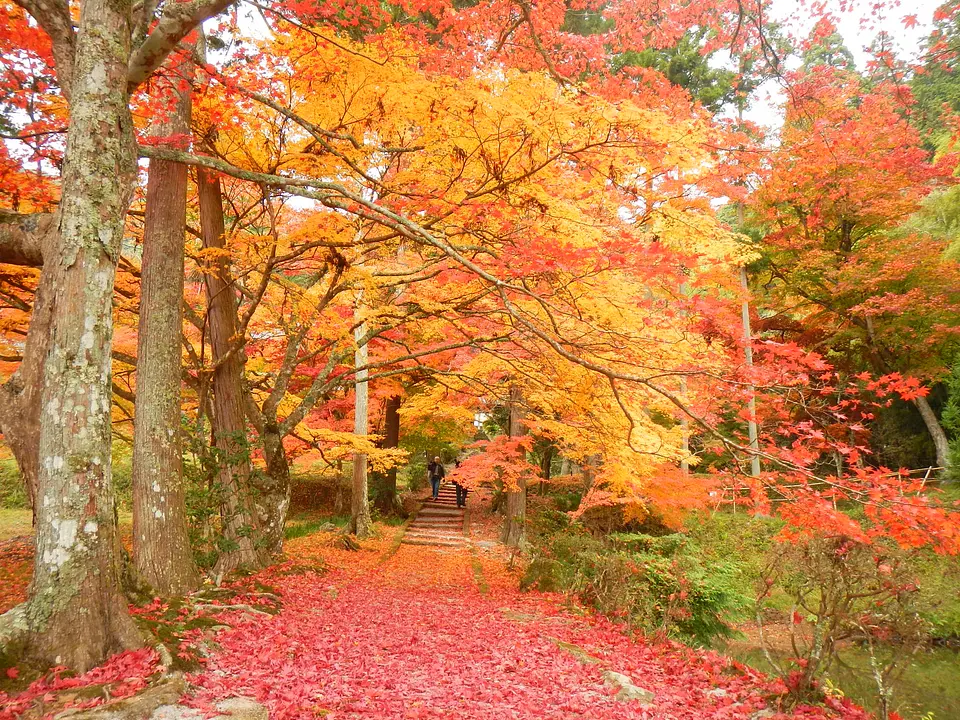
<point>849,171</point>
<point>478,201</point>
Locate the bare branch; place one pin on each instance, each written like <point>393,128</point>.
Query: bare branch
<point>54,17</point>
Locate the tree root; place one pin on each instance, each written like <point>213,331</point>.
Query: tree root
<point>166,692</point>
<point>243,607</point>
<point>14,628</point>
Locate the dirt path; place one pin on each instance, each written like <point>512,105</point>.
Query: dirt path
<point>403,631</point>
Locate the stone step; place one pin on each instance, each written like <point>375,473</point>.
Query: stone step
<point>437,521</point>
<point>436,531</point>
<point>441,511</point>
<point>448,535</point>
<point>437,543</point>
<point>452,529</point>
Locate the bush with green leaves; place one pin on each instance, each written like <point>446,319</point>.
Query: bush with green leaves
<point>652,583</point>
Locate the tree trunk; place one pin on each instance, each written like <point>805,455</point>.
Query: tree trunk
<point>161,543</point>
<point>545,464</point>
<point>386,496</point>
<point>360,522</point>
<point>940,442</point>
<point>338,501</point>
<point>76,614</point>
<point>34,238</point>
<point>515,522</point>
<point>239,525</point>
<point>272,497</point>
<point>748,357</point>
<point>590,472</point>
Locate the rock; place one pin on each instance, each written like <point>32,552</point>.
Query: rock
<point>626,690</point>
<point>241,708</point>
<point>715,693</point>
<point>237,708</point>
<point>136,707</point>
<point>578,652</point>
<point>328,527</point>
<point>176,712</point>
<point>763,714</point>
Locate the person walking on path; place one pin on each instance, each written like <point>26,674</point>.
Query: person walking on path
<point>461,490</point>
<point>436,473</point>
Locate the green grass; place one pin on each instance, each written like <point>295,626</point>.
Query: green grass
<point>15,522</point>
<point>302,524</point>
<point>18,522</point>
<point>12,493</point>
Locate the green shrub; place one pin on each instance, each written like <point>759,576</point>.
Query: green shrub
<point>567,501</point>
<point>548,522</point>
<point>666,545</point>
<point>648,582</point>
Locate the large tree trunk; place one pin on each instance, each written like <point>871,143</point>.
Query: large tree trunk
<point>386,494</point>
<point>515,523</point>
<point>161,543</point>
<point>76,614</point>
<point>940,442</point>
<point>240,528</point>
<point>360,522</point>
<point>26,240</point>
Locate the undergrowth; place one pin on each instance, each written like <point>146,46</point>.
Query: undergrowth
<point>654,583</point>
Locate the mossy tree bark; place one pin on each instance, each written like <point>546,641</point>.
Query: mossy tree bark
<point>243,545</point>
<point>76,614</point>
<point>161,543</point>
<point>273,490</point>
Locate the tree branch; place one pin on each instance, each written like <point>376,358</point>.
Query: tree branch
<point>53,16</point>
<point>176,22</point>
<point>25,239</point>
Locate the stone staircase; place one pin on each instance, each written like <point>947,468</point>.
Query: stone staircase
<point>439,523</point>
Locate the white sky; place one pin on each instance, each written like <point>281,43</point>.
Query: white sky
<point>858,27</point>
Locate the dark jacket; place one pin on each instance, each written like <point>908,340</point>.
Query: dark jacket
<point>435,470</point>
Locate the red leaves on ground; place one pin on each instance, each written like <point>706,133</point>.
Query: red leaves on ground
<point>392,642</point>
<point>122,676</point>
<point>16,569</point>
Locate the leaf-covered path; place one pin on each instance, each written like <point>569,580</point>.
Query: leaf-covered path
<point>418,632</point>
